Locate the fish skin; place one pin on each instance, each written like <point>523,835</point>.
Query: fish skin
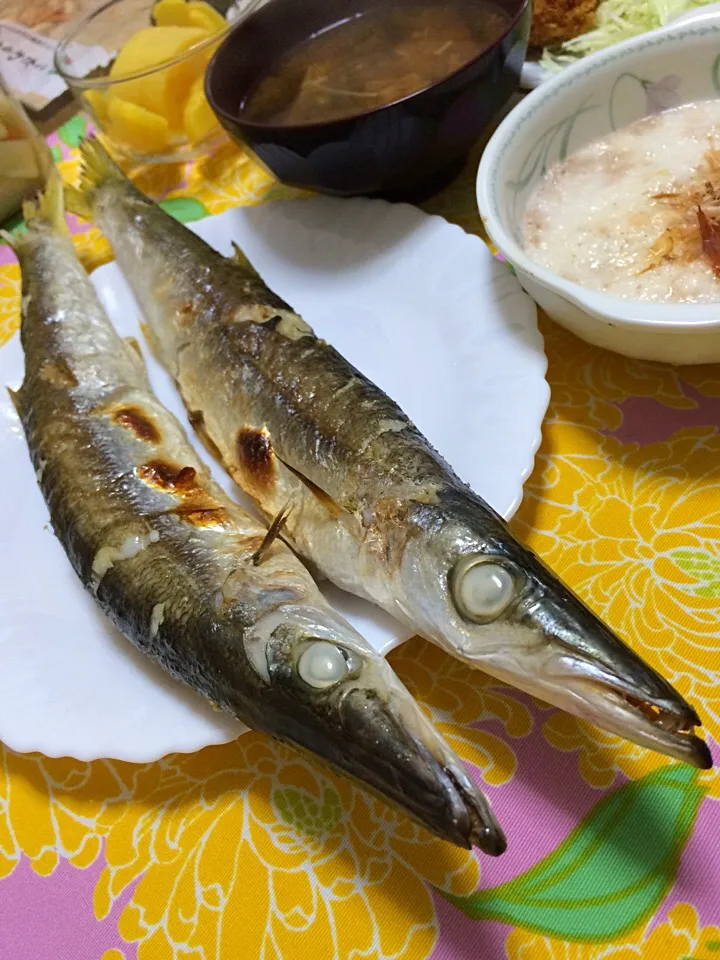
<point>171,560</point>
<point>376,509</point>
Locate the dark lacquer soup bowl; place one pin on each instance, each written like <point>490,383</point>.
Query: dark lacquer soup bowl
<point>389,150</point>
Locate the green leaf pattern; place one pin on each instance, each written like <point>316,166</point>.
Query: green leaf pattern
<point>611,873</point>
<point>184,209</point>
<point>703,567</point>
<point>299,810</point>
<point>73,130</point>
<point>552,146</point>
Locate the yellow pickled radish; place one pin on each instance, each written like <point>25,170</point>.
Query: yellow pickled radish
<point>201,14</point>
<point>171,13</point>
<point>98,103</point>
<point>164,91</point>
<point>134,125</point>
<point>153,45</point>
<point>193,72</point>
<point>199,121</point>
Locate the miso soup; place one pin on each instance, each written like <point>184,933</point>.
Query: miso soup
<point>373,59</point>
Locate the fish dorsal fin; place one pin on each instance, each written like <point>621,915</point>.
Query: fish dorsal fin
<point>132,342</point>
<point>273,533</point>
<point>14,399</point>
<point>240,260</point>
<point>48,206</point>
<point>136,355</point>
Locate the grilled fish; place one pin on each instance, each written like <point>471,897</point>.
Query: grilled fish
<point>188,577</point>
<point>374,507</point>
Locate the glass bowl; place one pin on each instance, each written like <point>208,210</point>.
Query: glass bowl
<point>141,81</point>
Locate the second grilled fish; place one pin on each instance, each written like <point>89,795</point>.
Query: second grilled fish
<point>191,579</point>
<point>372,505</point>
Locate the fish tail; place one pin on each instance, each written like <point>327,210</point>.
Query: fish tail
<point>47,208</point>
<point>98,168</point>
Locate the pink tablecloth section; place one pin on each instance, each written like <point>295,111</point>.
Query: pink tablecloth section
<point>247,851</point>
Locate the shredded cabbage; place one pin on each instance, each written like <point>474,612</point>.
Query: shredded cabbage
<point>617,20</point>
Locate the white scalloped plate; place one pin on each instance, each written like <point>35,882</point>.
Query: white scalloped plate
<point>418,305</point>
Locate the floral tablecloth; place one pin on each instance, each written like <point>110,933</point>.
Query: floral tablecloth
<point>246,851</point>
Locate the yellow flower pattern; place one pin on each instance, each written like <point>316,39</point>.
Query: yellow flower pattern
<point>249,834</point>
<point>9,300</point>
<point>461,697</point>
<point>635,531</point>
<point>602,755</point>
<point>680,937</point>
<point>589,383</point>
<point>49,809</point>
<point>246,832</point>
<point>249,850</point>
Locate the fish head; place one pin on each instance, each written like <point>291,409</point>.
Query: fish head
<point>329,692</point>
<point>472,588</point>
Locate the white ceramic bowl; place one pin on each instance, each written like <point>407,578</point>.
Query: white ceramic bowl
<point>607,90</point>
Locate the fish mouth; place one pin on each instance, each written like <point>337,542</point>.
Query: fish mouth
<point>631,700</point>
<point>393,748</point>
<point>666,727</point>
<point>551,645</point>
<point>646,709</point>
<point>367,726</point>
<point>482,830</point>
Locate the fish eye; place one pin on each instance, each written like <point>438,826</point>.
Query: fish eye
<point>482,587</point>
<point>322,664</point>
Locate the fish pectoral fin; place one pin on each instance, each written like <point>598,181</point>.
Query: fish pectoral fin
<point>151,341</point>
<point>138,359</point>
<point>197,422</point>
<point>334,508</point>
<point>274,532</point>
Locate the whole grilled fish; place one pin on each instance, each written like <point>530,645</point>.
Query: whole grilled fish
<point>371,504</point>
<point>192,580</point>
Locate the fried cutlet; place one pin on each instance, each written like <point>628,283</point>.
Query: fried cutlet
<point>557,20</point>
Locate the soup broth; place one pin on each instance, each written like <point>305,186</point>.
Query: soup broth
<point>372,60</point>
